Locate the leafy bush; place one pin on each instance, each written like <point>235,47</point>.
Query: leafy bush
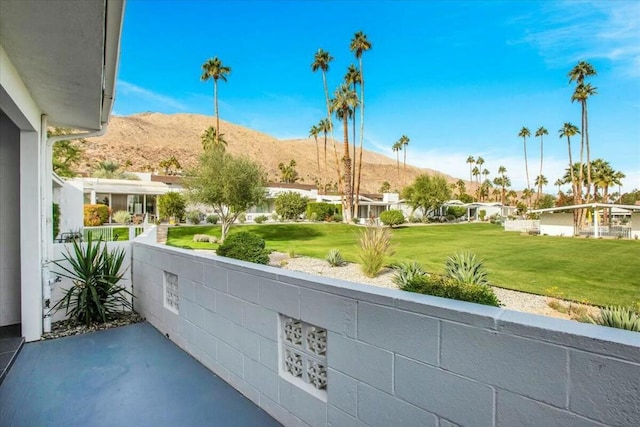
<point>213,219</point>
<point>446,287</point>
<point>482,214</point>
<point>290,205</point>
<point>392,217</point>
<point>414,219</point>
<point>337,218</point>
<point>406,272</point>
<point>466,268</point>
<point>334,258</point>
<point>313,217</point>
<point>324,211</point>
<point>275,216</point>
<point>456,211</point>
<point>244,246</point>
<point>202,238</point>
<point>56,220</point>
<point>193,217</point>
<point>260,219</point>
<point>619,317</point>
<point>95,215</point>
<point>172,205</point>
<point>122,217</point>
<point>375,246</point>
<point>94,271</point>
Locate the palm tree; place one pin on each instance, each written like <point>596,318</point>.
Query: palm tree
<point>313,133</point>
<point>524,133</point>
<point>462,187</point>
<point>558,183</point>
<point>325,127</point>
<point>397,146</point>
<point>479,163</point>
<point>540,133</point>
<point>405,143</point>
<point>211,140</point>
<point>541,180</point>
<point>503,182</point>
<point>476,173</point>
<point>321,62</point>
<point>581,94</point>
<point>471,161</point>
<point>343,103</point>
<point>359,45</point>
<point>568,130</point>
<point>353,78</point>
<point>214,69</point>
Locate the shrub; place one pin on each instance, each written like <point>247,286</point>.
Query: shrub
<point>213,239</point>
<point>94,271</point>
<point>337,218</point>
<point>466,268</point>
<point>324,211</point>
<point>456,211</point>
<point>414,219</point>
<point>95,215</point>
<point>172,205</point>
<point>334,258</point>
<point>482,214</point>
<point>260,219</point>
<point>242,218</point>
<point>406,272</point>
<point>122,217</point>
<point>375,246</point>
<point>202,238</point>
<point>193,217</point>
<point>392,217</point>
<point>56,220</point>
<point>446,287</point>
<point>290,205</point>
<point>313,217</point>
<point>275,216</point>
<point>213,219</point>
<point>244,246</point>
<point>619,317</point>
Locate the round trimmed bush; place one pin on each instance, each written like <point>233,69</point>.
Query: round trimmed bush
<point>392,217</point>
<point>244,246</point>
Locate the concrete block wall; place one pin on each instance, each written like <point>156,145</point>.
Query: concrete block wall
<point>394,358</point>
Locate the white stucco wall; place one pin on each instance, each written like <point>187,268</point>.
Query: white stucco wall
<point>556,224</point>
<point>71,199</point>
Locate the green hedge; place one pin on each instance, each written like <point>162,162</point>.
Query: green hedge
<point>324,211</point>
<point>441,286</point>
<point>244,246</point>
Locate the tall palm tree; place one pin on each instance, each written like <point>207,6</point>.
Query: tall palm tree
<point>462,187</point>
<point>558,183</point>
<point>313,133</point>
<point>397,147</point>
<point>582,93</point>
<point>325,126</point>
<point>524,133</point>
<point>211,140</point>
<point>568,130</point>
<point>503,182</point>
<point>476,173</point>
<point>541,180</point>
<point>540,133</point>
<point>214,69</point>
<point>344,101</point>
<point>353,78</point>
<point>405,143</point>
<point>479,163</point>
<point>471,161</point>
<point>359,45</point>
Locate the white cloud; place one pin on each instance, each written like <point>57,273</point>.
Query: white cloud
<point>148,96</point>
<point>569,31</point>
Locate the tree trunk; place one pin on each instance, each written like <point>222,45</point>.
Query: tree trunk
<point>225,223</point>
<point>215,100</point>
<point>347,205</point>
<point>526,166</point>
<point>586,137</point>
<point>326,95</point>
<point>357,201</point>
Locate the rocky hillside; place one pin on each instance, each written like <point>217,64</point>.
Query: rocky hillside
<point>140,142</point>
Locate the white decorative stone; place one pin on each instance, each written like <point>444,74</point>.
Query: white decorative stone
<point>171,292</point>
<point>293,332</point>
<point>317,340</point>
<point>293,363</point>
<point>317,374</point>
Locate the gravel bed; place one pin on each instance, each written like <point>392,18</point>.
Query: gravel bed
<point>66,328</point>
<point>511,300</point>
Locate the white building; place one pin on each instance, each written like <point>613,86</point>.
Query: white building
<point>58,66</point>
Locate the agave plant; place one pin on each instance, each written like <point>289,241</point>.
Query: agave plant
<point>619,317</point>
<point>406,272</point>
<point>94,271</point>
<point>334,258</point>
<point>466,268</point>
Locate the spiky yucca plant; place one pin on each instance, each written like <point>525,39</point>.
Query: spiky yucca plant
<point>619,317</point>
<point>466,268</point>
<point>334,258</point>
<point>406,272</point>
<point>375,246</point>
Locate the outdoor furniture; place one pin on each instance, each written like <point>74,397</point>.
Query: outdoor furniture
<point>68,237</point>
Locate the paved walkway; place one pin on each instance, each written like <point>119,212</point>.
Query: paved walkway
<point>127,376</point>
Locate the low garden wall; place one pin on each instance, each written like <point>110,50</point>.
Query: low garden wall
<point>324,352</point>
<point>522,225</point>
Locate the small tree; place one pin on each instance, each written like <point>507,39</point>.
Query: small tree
<point>288,172</point>
<point>385,187</point>
<point>427,193</point>
<point>392,217</point>
<point>172,204</point>
<point>290,205</point>
<point>230,185</point>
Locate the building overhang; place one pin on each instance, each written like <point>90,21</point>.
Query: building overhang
<point>66,53</point>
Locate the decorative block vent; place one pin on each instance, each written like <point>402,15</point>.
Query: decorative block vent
<point>304,355</point>
<point>171,292</point>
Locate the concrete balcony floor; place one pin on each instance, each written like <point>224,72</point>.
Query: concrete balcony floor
<point>128,376</point>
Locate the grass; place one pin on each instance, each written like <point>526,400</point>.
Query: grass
<point>597,271</point>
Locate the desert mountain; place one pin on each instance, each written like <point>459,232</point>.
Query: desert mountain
<point>141,141</point>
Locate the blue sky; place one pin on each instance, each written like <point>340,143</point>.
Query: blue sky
<point>459,78</point>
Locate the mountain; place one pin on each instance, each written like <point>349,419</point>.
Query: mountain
<point>141,141</point>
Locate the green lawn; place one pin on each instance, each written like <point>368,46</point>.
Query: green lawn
<point>599,271</point>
